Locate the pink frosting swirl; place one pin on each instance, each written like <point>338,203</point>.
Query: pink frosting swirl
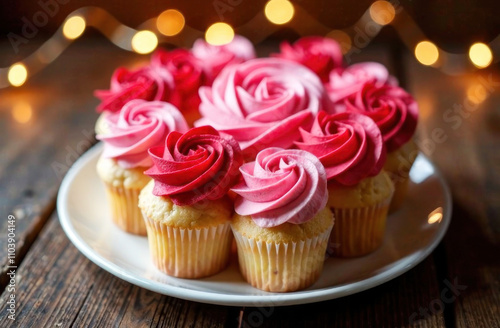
<point>201,164</point>
<point>137,127</point>
<point>144,83</point>
<point>346,82</point>
<point>188,74</point>
<point>215,58</point>
<point>321,55</point>
<point>392,108</point>
<point>349,145</point>
<point>262,103</point>
<point>281,186</point>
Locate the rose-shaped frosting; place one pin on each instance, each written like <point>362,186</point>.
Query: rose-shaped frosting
<point>321,55</point>
<point>188,74</point>
<point>137,127</point>
<point>281,186</point>
<point>201,164</point>
<point>349,145</point>
<point>263,102</point>
<point>345,82</point>
<point>392,108</point>
<point>215,58</point>
<point>144,83</point>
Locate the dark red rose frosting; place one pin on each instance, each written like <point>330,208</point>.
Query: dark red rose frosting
<point>188,74</point>
<point>143,83</point>
<point>349,145</point>
<point>201,164</point>
<point>392,108</point>
<point>321,55</point>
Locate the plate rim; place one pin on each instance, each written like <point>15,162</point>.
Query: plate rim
<point>273,299</point>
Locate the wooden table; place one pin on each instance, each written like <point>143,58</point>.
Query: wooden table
<point>47,123</point>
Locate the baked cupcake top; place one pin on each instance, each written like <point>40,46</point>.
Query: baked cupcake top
<point>144,83</point>
<point>349,145</point>
<point>262,102</point>
<point>345,82</point>
<point>321,55</point>
<point>137,127</point>
<point>281,186</point>
<point>392,108</point>
<point>201,164</point>
<point>215,58</point>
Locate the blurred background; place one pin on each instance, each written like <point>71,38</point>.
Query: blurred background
<point>453,36</point>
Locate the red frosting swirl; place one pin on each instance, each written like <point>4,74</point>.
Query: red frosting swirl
<point>144,83</point>
<point>349,145</point>
<point>137,127</point>
<point>188,74</point>
<point>281,186</point>
<point>198,165</point>
<point>262,102</point>
<point>393,109</point>
<point>321,55</point>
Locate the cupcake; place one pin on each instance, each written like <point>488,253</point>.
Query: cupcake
<point>131,131</point>
<point>186,208</point>
<point>281,225</point>
<point>396,114</point>
<point>350,147</point>
<point>262,103</point>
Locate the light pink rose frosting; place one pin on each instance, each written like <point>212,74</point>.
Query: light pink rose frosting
<point>215,58</point>
<point>345,82</point>
<point>281,186</point>
<point>349,145</point>
<point>145,83</point>
<point>319,54</point>
<point>392,108</point>
<point>262,103</point>
<point>139,126</point>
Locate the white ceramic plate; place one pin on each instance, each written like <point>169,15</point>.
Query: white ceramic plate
<point>412,233</point>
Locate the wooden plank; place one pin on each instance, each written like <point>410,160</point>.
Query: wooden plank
<point>58,287</point>
<point>463,112</point>
<point>402,302</point>
<point>57,108</point>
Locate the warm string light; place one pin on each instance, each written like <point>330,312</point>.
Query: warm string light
<point>219,34</point>
<point>22,112</point>
<point>171,23</point>
<point>427,53</point>
<point>144,42</point>
<point>279,11</point>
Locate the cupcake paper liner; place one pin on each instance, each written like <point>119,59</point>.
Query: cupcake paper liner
<point>124,209</point>
<point>358,231</point>
<point>281,267</point>
<point>189,253</point>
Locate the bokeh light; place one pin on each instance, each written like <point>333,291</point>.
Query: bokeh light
<point>435,216</point>
<point>480,55</point>
<point>17,74</point>
<point>342,38</point>
<point>74,27</point>
<point>144,42</point>
<point>426,53</point>
<point>477,93</point>
<point>382,12</point>
<point>22,112</point>
<point>219,34</point>
<point>170,22</point>
<point>279,11</point>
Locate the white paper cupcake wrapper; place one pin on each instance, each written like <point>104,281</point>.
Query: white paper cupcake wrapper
<point>125,211</point>
<point>358,231</point>
<point>281,267</point>
<point>189,253</point>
